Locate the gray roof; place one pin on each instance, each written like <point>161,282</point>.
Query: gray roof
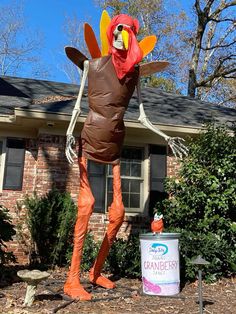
<point>160,107</point>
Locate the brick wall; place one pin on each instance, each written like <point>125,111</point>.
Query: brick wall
<point>46,166</point>
<point>172,166</point>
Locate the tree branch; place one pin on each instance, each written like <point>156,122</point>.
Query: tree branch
<point>197,6</point>
<point>210,85</point>
<point>226,100</point>
<point>230,77</point>
<point>221,40</point>
<point>208,6</point>
<point>220,71</point>
<point>221,8</point>
<point>210,78</point>
<point>219,46</point>
<point>222,20</point>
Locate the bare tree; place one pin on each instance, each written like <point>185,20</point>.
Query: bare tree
<point>18,47</point>
<point>201,52</point>
<point>73,29</point>
<point>213,60</point>
<point>227,95</point>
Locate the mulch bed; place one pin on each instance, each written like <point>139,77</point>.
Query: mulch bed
<point>127,297</point>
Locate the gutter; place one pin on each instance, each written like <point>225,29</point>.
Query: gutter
<point>134,124</point>
<point>7,118</point>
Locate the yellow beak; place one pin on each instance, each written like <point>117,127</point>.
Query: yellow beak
<point>125,37</point>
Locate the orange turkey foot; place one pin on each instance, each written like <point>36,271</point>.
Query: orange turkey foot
<point>76,291</point>
<point>98,279</point>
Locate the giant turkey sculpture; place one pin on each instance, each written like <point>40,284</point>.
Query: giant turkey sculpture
<point>113,73</point>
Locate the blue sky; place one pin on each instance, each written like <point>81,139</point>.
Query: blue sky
<point>48,17</point>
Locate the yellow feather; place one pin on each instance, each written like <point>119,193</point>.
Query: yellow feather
<point>147,44</point>
<point>104,22</point>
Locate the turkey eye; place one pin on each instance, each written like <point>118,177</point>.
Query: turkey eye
<point>120,27</point>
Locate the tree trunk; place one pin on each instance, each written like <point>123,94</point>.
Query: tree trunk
<point>192,83</point>
<point>202,21</point>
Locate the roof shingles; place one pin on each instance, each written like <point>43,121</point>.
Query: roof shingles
<point>160,107</point>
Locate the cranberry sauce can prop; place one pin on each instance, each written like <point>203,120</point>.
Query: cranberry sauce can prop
<point>160,263</point>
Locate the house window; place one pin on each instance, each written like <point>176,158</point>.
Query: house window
<point>97,178</point>
<point>14,164</point>
<point>101,180</point>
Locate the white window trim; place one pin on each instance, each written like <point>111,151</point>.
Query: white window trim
<point>146,181</point>
<point>144,185</point>
<point>2,162</point>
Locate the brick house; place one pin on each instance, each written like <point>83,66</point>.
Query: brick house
<point>34,116</point>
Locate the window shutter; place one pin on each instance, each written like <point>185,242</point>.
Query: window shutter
<point>158,171</point>
<point>14,164</point>
<point>158,167</point>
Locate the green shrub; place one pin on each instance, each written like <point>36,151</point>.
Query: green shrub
<point>124,258</point>
<point>51,221</point>
<point>6,233</point>
<point>202,206</point>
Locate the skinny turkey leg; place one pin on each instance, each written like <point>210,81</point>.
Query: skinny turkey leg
<point>116,217</point>
<point>86,200</point>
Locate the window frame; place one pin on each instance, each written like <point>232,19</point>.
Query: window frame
<point>143,186</point>
<point>129,210</point>
<point>2,161</point>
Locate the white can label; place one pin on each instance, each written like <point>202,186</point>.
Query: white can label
<point>160,266</point>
